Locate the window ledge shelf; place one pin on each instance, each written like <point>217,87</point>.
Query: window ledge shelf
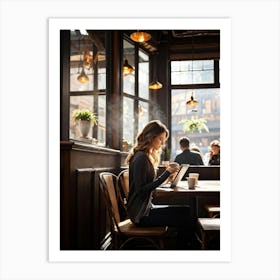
<point>78,145</point>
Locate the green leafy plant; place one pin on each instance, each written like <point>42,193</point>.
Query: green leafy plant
<point>126,145</point>
<point>85,115</point>
<point>193,124</point>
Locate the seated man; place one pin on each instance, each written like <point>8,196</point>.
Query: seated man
<point>187,156</point>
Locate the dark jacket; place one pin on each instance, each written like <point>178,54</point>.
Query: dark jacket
<point>215,160</point>
<point>189,157</point>
<point>142,182</point>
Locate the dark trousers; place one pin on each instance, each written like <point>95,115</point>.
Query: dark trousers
<point>178,216</point>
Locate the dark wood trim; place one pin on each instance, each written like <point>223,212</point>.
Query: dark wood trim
<point>217,72</point>
<point>64,83</point>
<point>195,86</point>
<point>113,101</point>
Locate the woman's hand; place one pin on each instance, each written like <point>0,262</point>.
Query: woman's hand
<point>173,167</point>
<point>171,177</point>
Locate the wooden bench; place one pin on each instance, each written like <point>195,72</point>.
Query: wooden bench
<point>210,233</point>
<point>213,210</point>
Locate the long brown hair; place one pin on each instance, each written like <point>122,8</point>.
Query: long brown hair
<point>144,140</point>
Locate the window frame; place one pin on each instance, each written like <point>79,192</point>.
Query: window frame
<point>215,84</point>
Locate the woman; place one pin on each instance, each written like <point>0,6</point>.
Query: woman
<point>215,151</point>
<point>143,162</point>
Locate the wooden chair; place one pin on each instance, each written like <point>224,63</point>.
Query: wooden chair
<point>123,186</point>
<point>124,232</point>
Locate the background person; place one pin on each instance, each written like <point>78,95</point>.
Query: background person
<point>214,154</point>
<point>195,148</point>
<point>187,156</point>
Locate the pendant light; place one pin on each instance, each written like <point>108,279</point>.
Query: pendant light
<point>140,36</point>
<point>192,102</point>
<point>82,78</point>
<point>127,68</point>
<point>155,84</point>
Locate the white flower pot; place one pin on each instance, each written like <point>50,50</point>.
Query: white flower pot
<point>84,128</point>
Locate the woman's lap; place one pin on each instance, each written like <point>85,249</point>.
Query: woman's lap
<point>167,215</point>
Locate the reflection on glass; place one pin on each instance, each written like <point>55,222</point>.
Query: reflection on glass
<point>143,78</point>
<point>129,80</point>
<point>128,120</point>
<point>143,114</point>
<point>101,134</point>
<point>101,74</point>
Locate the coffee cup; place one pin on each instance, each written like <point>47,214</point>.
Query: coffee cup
<point>174,164</point>
<point>191,183</point>
<point>196,176</point>
<point>165,163</point>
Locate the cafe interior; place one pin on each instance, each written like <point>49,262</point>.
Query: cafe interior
<point>112,83</point>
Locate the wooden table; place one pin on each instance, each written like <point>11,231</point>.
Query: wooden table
<point>182,195</point>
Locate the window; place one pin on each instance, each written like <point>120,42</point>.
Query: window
<point>207,108</point>
<point>143,79</point>
<point>88,83</point>
<point>90,87</point>
<point>143,82</point>
<point>192,72</point>
<point>135,93</point>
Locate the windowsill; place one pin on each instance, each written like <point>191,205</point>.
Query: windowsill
<point>80,145</point>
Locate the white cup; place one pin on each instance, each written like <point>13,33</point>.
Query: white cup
<point>194,175</point>
<point>191,183</point>
<point>165,163</point>
<point>174,164</point>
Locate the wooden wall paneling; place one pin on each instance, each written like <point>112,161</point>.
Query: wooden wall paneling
<point>84,202</point>
<point>86,156</point>
<point>66,211</point>
<point>92,223</point>
<point>83,215</point>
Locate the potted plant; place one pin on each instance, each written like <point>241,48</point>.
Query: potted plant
<point>193,124</point>
<point>126,145</point>
<point>86,119</point>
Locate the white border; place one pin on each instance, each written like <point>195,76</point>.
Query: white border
<point>55,25</point>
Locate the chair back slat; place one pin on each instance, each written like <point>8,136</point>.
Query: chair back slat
<point>113,197</point>
<point>108,185</point>
<point>125,182</point>
<point>123,185</point>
